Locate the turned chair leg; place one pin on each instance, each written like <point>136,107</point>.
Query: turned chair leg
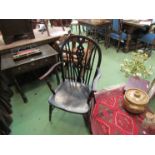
<point>50,111</point>
<point>86,118</point>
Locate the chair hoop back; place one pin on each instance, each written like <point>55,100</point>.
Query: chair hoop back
<point>79,54</point>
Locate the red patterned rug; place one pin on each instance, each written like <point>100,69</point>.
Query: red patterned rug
<point>108,116</point>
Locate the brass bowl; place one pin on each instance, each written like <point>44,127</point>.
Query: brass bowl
<point>135,100</point>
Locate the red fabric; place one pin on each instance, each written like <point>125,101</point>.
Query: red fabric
<point>108,116</point>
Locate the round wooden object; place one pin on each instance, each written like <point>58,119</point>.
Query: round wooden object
<point>136,100</point>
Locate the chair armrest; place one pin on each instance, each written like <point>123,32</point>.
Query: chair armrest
<point>96,80</point>
<point>44,77</point>
<point>49,71</point>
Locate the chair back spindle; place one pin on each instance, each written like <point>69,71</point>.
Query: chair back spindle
<point>81,57</point>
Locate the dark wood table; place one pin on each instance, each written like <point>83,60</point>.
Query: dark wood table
<point>95,23</point>
<point>14,68</point>
<point>47,57</point>
<point>131,26</point>
<point>39,39</point>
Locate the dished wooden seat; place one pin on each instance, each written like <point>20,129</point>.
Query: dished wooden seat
<point>71,96</point>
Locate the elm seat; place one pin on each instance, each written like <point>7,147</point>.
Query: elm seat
<point>71,96</point>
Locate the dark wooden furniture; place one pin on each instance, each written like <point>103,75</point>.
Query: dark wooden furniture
<point>95,23</point>
<point>40,39</point>
<point>116,33</point>
<point>77,74</point>
<point>15,29</point>
<point>131,26</point>
<point>5,106</point>
<point>14,68</point>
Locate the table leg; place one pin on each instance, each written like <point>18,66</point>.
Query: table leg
<point>128,43</point>
<point>46,25</point>
<point>79,29</point>
<point>20,90</point>
<point>106,36</point>
<point>95,33</point>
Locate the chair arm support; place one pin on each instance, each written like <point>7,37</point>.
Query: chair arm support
<point>44,77</point>
<point>49,71</point>
<point>96,80</point>
<point>93,90</point>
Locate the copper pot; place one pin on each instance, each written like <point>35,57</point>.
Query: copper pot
<point>135,100</point>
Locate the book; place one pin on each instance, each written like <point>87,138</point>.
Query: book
<point>136,82</point>
<point>26,53</point>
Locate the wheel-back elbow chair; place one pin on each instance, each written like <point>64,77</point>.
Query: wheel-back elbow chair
<point>77,73</point>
